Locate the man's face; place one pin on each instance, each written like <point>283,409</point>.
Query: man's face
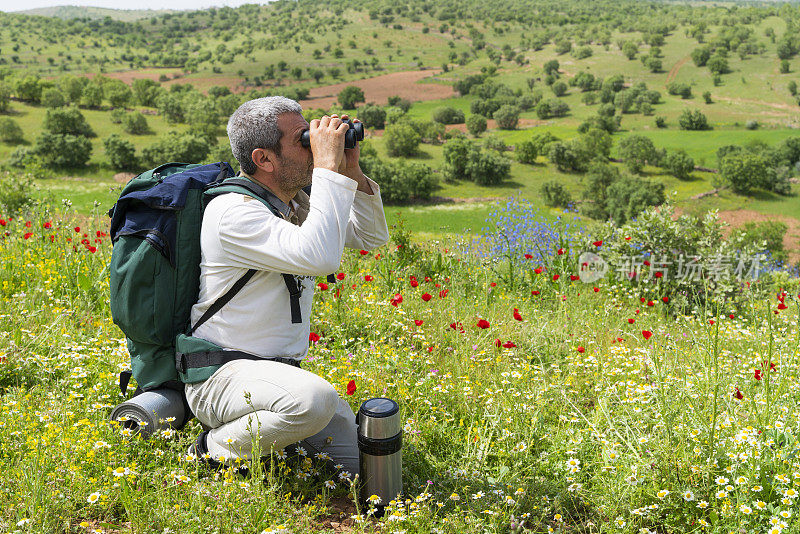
<point>296,162</point>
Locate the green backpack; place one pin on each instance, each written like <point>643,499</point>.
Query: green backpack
<point>155,272</point>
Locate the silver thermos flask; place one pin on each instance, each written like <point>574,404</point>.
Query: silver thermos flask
<point>380,440</point>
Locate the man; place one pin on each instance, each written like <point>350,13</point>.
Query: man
<point>274,401</point>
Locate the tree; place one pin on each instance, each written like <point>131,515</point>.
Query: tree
<point>507,117</point>
<point>372,116</point>
<point>350,96</point>
<point>693,120</point>
<point>527,151</point>
<point>171,107</point>
<point>682,89</point>
<point>744,171</point>
<point>718,65</point>
<point>784,66</point>
<point>135,123</point>
<point>554,194</point>
<point>551,67</point>
<point>176,146</point>
<point>92,96</point>
<point>401,181</point>
<point>486,167</point>
<point>679,164</point>
<point>401,139</point>
<point>5,96</point>
<point>653,64</point>
<point>476,124</point>
<point>792,86</point>
<point>628,196</point>
<point>29,89</point>
<point>636,151</point>
<point>701,55</point>
<point>448,115</point>
<point>120,152</point>
<point>629,49</point>
<point>52,97</point>
<point>598,180</point>
<point>559,88</point>
<point>707,97</point>
<point>10,131</point>
<point>62,151</point>
<point>67,120</point>
<point>117,93</point>
<point>146,91</point>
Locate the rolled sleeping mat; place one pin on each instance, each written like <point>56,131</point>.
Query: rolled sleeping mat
<point>151,411</point>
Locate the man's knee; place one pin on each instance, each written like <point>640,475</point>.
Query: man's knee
<point>317,406</point>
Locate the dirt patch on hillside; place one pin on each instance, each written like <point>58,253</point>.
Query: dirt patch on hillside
<point>738,218</point>
<point>124,177</point>
<point>378,89</point>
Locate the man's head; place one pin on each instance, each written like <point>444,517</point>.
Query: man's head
<point>265,140</point>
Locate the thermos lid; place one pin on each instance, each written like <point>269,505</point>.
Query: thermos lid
<point>379,407</point>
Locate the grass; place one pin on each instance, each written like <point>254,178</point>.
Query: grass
<point>595,407</point>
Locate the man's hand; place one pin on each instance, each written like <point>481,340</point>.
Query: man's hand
<point>351,168</point>
<point>327,142</point>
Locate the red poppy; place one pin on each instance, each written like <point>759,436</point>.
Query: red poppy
<point>493,284</point>
<point>738,394</point>
<point>426,297</point>
<point>517,315</point>
<point>323,286</point>
<point>52,238</point>
<point>711,322</point>
<point>483,323</point>
<point>782,306</point>
<point>627,238</point>
<point>731,316</point>
<point>555,277</point>
<point>363,252</point>
<point>619,339</point>
<point>528,257</point>
<point>665,299</point>
<point>534,292</point>
<point>646,334</point>
<point>414,283</point>
<point>368,278</point>
<point>443,293</point>
<point>48,225</point>
<point>313,337</point>
<point>581,350</point>
<point>77,229</point>
<point>596,289</point>
<point>659,274</point>
<point>430,349</point>
<point>573,277</point>
<point>498,343</point>
<point>457,326</point>
<point>642,299</point>
<point>27,235</point>
<point>427,278</point>
<point>757,374</point>
<point>646,263</point>
<point>771,365</point>
<point>538,270</point>
<point>340,276</point>
<point>509,345</point>
<point>418,322</point>
<point>337,293</point>
<point>27,224</point>
<point>353,286</point>
<point>560,251</point>
<point>396,299</point>
<point>597,243</point>
<point>351,387</point>
<point>631,321</point>
<point>92,249</point>
<point>2,222</point>
<point>650,303</point>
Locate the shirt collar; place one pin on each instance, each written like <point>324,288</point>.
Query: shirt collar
<point>285,210</point>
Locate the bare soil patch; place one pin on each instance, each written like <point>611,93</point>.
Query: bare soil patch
<point>378,89</point>
<point>124,177</point>
<point>676,67</point>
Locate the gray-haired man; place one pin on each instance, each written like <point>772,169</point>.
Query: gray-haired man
<point>278,402</point>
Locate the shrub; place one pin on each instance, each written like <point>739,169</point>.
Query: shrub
<point>170,106</point>
<point>495,143</point>
<point>527,151</point>
<point>637,151</point>
<point>661,122</point>
<point>569,156</point>
<point>448,115</point>
<point>401,181</point>
<point>67,121</point>
<point>507,117</point>
<point>466,160</point>
<point>684,90</point>
<point>707,97</point>
<point>718,65</point>
<point>744,171</point>
<point>559,88</point>
<point>629,196</point>
<point>5,96</point>
<point>62,150</point>
<point>399,102</point>
<point>693,120</point>
<point>10,131</point>
<point>120,152</point>
<point>135,123</point>
<point>92,96</point>
<point>476,124</point>
<point>792,87</point>
<point>350,96</point>
<point>183,147</point>
<point>16,193</point>
<point>53,98</point>
<point>551,67</point>
<point>679,164</point>
<point>372,116</point>
<point>116,116</point>
<point>551,108</point>
<point>456,151</point>
<point>554,194</point>
<point>766,235</point>
<point>653,64</point>
<point>401,139</point>
<point>752,124</point>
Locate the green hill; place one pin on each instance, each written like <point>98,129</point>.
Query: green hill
<point>95,13</point>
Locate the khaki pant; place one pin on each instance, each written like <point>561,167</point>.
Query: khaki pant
<point>278,405</point>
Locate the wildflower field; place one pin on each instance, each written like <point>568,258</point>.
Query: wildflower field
<point>531,401</point>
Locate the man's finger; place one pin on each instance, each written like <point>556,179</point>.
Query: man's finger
<point>343,127</point>
<point>324,121</point>
<point>314,124</point>
<point>335,122</point>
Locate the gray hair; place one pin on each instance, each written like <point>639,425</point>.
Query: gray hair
<point>255,125</point>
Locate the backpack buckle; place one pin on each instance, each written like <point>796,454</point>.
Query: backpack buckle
<point>180,362</point>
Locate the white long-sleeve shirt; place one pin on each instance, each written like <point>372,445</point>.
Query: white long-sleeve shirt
<point>240,233</point>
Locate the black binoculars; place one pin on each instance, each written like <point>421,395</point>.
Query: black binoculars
<point>354,134</point>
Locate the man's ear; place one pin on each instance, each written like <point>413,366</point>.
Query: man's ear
<point>263,159</point>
